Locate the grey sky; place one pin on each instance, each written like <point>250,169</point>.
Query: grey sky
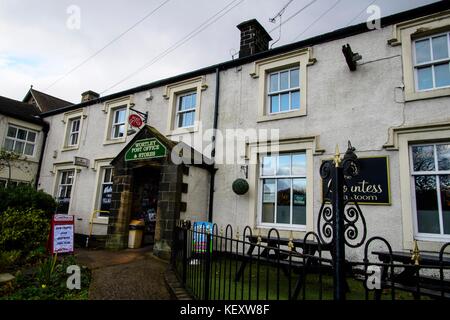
<point>38,48</point>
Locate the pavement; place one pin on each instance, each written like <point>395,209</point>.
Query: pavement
<point>130,274</point>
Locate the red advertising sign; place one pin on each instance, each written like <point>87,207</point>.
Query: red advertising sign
<point>61,239</point>
<point>135,121</point>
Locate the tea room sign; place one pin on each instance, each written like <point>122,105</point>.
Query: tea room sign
<point>372,185</point>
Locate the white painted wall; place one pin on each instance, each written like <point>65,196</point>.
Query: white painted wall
<point>359,106</point>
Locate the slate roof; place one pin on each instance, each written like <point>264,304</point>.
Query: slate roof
<point>20,110</point>
<point>45,101</point>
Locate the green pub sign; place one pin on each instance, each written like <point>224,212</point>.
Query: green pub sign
<point>145,149</point>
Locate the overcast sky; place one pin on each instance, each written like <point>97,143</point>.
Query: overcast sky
<point>41,44</point>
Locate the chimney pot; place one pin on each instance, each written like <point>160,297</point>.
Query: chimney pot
<point>89,95</point>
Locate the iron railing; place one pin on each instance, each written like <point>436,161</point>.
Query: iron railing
<point>234,266</point>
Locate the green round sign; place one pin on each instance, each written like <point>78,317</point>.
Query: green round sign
<point>240,186</point>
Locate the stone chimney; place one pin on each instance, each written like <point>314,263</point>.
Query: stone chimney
<point>254,38</point>
<point>89,95</point>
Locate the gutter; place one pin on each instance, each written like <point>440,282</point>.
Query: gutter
<point>45,130</point>
<point>213,170</point>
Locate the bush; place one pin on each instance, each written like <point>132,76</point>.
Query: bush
<point>24,197</point>
<point>48,282</point>
<point>8,258</point>
<point>23,229</point>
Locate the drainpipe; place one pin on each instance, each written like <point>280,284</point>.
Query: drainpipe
<point>45,130</point>
<point>213,151</point>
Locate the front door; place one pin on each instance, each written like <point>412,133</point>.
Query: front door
<point>145,199</point>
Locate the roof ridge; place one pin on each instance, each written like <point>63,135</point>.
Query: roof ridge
<point>40,92</point>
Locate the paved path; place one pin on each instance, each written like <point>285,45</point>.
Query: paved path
<point>127,274</point>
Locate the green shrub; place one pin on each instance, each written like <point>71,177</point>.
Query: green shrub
<point>8,258</point>
<point>24,197</point>
<point>23,229</point>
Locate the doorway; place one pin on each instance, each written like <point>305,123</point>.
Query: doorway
<point>145,200</point>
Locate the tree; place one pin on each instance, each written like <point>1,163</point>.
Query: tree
<point>6,158</point>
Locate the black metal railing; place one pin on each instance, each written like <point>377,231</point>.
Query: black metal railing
<point>228,265</point>
<point>219,264</point>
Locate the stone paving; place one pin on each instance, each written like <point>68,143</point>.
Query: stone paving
<point>131,274</point>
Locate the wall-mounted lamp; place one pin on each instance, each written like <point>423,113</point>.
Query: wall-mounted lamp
<point>350,57</point>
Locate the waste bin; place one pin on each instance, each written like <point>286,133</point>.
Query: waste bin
<point>136,231</point>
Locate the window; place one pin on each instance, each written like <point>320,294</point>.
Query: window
<point>12,183</point>
<point>106,189</point>
<point>283,189</point>
<point>20,141</point>
<point>432,62</point>
<point>284,91</point>
<point>118,123</point>
<point>74,132</point>
<point>186,110</point>
<point>430,168</point>
<point>424,47</point>
<point>64,191</point>
<point>184,105</point>
<point>282,83</point>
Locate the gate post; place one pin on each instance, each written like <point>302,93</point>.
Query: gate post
<point>207,265</point>
<point>340,214</point>
<point>185,227</point>
<point>338,226</point>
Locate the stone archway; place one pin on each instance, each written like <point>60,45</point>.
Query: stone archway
<point>169,189</point>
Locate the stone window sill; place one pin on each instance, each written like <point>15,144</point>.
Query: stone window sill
<point>281,116</point>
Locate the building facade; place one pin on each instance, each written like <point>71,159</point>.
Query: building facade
<point>23,134</point>
<point>300,100</point>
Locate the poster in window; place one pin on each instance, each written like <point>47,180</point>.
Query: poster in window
<point>106,197</point>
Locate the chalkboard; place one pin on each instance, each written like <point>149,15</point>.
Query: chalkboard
<point>371,186</point>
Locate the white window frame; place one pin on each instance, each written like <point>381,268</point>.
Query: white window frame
<point>435,173</point>
<point>16,139</point>
<point>172,93</point>
<point>302,58</point>
<point>404,33</point>
<point>278,93</point>
<point>289,225</point>
<point>431,63</point>
<point>181,112</point>
<point>74,132</point>
<point>118,124</point>
<point>109,108</point>
<point>60,184</point>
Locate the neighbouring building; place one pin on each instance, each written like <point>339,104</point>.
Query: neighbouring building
<point>23,132</point>
<point>386,90</point>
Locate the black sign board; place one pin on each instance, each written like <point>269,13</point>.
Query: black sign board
<point>372,185</point>
<point>106,197</point>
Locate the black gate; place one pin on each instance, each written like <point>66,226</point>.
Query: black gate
<point>225,264</point>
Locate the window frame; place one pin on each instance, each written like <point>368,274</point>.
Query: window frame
<point>432,63</point>
<point>291,177</point>
<point>279,92</point>
<point>72,133</point>
<point>25,142</point>
<point>435,173</point>
<point>404,34</point>
<point>179,112</point>
<point>115,124</point>
<point>171,93</point>
<point>60,184</point>
<point>109,108</point>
